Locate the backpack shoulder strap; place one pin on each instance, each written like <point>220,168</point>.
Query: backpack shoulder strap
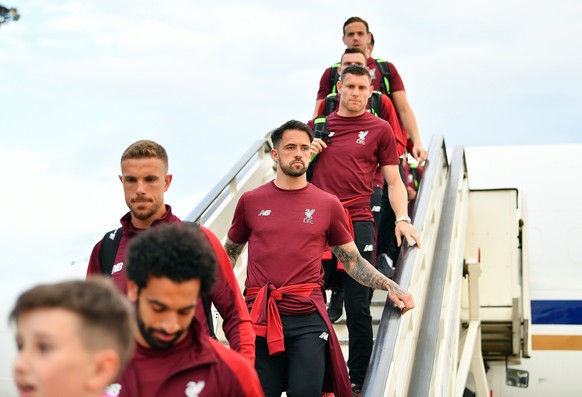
<point>385,72</point>
<point>376,103</point>
<point>319,131</point>
<point>206,299</point>
<point>109,246</point>
<point>330,105</point>
<point>108,250</point>
<point>334,77</point>
<point>320,128</point>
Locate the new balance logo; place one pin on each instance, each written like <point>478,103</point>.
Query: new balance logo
<point>376,208</point>
<point>117,267</point>
<point>362,137</point>
<point>265,213</point>
<point>324,336</point>
<point>368,248</point>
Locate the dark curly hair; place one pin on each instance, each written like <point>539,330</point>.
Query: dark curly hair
<point>178,251</point>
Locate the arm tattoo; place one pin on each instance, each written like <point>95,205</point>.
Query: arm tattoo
<point>363,272</point>
<point>233,250</point>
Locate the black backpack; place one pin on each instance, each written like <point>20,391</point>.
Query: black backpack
<point>108,251</point>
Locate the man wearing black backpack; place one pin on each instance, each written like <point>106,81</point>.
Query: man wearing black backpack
<point>145,179</point>
<point>381,106</point>
<point>357,142</point>
<point>385,78</point>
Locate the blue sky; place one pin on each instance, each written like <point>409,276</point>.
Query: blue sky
<point>81,80</point>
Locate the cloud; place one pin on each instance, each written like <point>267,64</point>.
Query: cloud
<point>46,200</point>
<point>84,79</point>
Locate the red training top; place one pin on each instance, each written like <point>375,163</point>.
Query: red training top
<point>388,113</point>
<point>197,366</point>
<point>286,231</point>
<point>347,166</point>
<point>226,295</point>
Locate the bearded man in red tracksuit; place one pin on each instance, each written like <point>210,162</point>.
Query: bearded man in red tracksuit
<point>287,224</point>
<point>168,268</point>
<point>145,179</point>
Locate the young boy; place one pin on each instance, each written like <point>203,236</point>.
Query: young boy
<point>73,338</point>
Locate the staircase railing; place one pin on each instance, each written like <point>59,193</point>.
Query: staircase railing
<point>392,356</point>
<point>216,209</point>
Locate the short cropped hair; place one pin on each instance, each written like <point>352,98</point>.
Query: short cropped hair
<point>277,133</point>
<point>178,251</point>
<point>354,50</point>
<point>105,314</point>
<point>356,70</point>
<point>372,41</point>
<point>355,19</point>
<point>144,149</point>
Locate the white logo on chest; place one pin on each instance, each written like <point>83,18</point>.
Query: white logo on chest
<point>362,137</point>
<point>265,213</point>
<point>193,389</point>
<point>117,267</point>
<point>113,390</point>
<point>308,216</point>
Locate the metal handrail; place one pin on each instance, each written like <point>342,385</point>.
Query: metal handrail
<point>384,348</point>
<point>206,206</point>
<point>388,332</point>
<point>426,350</point>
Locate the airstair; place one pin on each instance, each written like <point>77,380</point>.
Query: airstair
<point>469,280</point>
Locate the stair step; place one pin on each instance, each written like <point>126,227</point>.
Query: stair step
<point>345,342</point>
<point>342,321</point>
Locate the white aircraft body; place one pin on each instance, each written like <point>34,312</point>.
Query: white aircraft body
<point>548,176</point>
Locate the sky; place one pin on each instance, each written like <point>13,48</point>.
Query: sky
<point>81,80</point>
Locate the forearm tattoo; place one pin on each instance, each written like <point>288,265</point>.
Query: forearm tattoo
<point>233,251</point>
<point>363,272</point>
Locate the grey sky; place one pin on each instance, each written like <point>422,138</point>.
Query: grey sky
<point>81,80</point>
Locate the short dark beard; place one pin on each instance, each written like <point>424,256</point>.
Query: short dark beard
<point>145,216</point>
<point>147,332</point>
<point>290,171</point>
